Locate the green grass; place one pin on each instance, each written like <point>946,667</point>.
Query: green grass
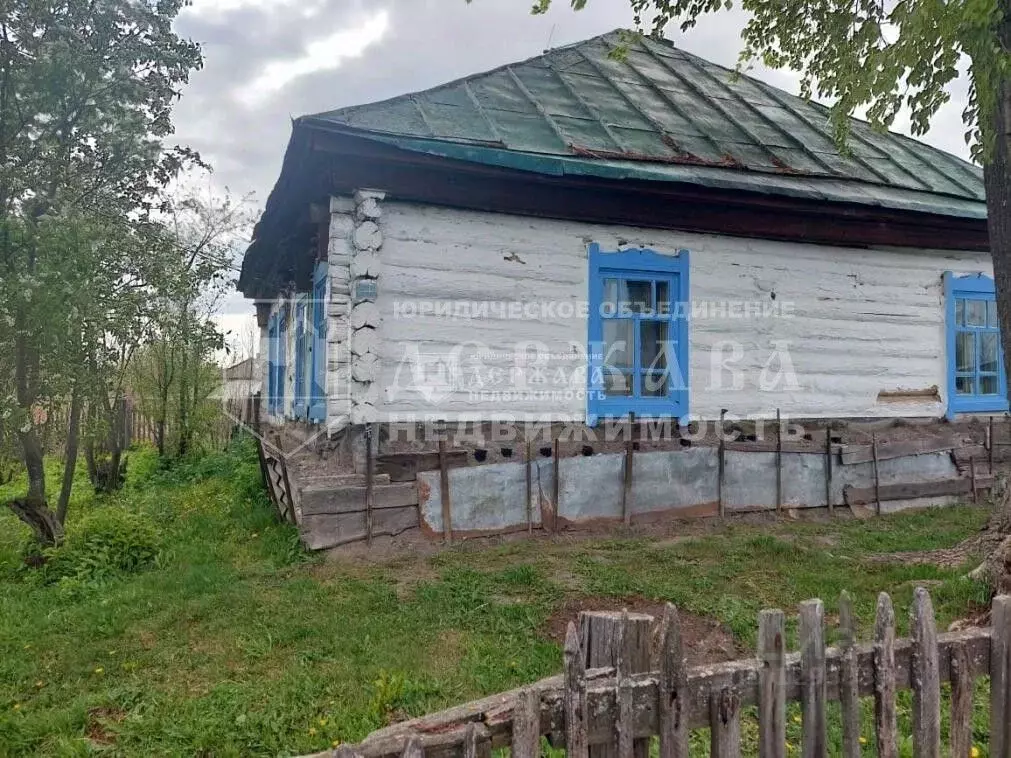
<point>238,643</point>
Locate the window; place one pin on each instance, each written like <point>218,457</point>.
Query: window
<point>638,324</point>
<point>317,403</point>
<point>976,381</point>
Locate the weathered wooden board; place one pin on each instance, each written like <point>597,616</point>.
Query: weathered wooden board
<point>320,532</point>
<point>852,454</point>
<point>404,467</point>
<point>441,733</point>
<point>909,491</point>
<point>322,499</point>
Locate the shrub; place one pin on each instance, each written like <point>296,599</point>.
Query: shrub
<point>107,541</point>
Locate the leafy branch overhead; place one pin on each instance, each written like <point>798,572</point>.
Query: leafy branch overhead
<point>876,57</point>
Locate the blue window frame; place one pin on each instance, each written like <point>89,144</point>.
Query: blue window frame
<point>281,362</point>
<point>300,407</point>
<point>317,403</point>
<point>638,334</point>
<point>976,379</point>
<point>272,364</point>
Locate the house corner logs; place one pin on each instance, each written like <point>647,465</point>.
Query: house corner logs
<point>353,334</point>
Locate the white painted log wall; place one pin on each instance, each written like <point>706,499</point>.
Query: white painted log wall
<point>864,320</point>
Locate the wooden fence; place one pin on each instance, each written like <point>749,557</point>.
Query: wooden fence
<point>622,685</point>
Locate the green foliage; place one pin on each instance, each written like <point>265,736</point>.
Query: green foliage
<point>237,642</point>
<point>865,55</point>
<point>108,541</point>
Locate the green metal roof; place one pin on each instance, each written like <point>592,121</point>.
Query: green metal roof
<point>659,113</point>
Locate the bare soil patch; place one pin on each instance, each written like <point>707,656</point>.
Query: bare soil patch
<point>99,720</point>
<point>705,640</point>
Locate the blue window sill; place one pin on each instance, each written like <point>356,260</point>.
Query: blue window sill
<point>977,405</point>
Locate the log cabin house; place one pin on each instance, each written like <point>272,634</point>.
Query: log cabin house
<point>584,236</point>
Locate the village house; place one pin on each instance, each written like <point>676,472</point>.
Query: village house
<point>586,236</point>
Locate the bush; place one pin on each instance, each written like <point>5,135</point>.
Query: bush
<point>106,542</point>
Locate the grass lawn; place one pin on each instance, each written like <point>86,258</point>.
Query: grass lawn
<point>236,642</point>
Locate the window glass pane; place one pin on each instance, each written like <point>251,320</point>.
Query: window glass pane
<point>991,314</point>
<point>654,385</point>
<point>963,385</point>
<point>654,344</point>
<point>617,383</point>
<point>988,352</point>
<point>640,296</point>
<point>618,344</point>
<point>988,385</point>
<point>610,304</point>
<point>975,313</point>
<point>663,306</point>
<point>965,351</point>
<point>959,311</point>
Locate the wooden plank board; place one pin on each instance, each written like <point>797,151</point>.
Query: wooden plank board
<point>320,499</point>
<point>852,454</point>
<point>320,532</point>
<point>404,467</point>
<point>912,490</point>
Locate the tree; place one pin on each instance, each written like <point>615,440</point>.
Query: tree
<point>86,92</point>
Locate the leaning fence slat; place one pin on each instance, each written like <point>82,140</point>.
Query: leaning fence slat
<point>526,742</point>
<point>475,742</point>
<point>926,678</point>
<point>725,724</point>
<point>961,704</point>
<point>413,748</point>
<point>849,685</point>
<point>771,685</point>
<point>812,673</point>
<point>625,722</point>
<point>575,696</point>
<point>1000,679</point>
<point>885,726</point>
<point>673,688</point>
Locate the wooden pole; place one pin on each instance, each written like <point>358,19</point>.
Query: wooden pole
<point>1000,678</point>
<point>885,722</point>
<point>607,639</point>
<point>722,466</point>
<point>530,492</point>
<point>673,686</point>
<point>925,679</point>
<point>554,488</point>
<point>779,461</point>
<point>369,475</point>
<point>877,478</point>
<point>849,680</point>
<point>813,695</point>
<point>626,492</point>
<point>989,444</point>
<point>828,470</point>
<point>447,511</point>
<point>972,476</point>
<point>576,714</point>
<point>772,685</point>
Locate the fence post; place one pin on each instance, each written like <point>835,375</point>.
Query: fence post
<point>623,693</point>
<point>412,749</point>
<point>885,726</point>
<point>812,678</point>
<point>725,724</point>
<point>961,703</point>
<point>849,685</point>
<point>771,685</point>
<point>607,638</point>
<point>673,688</point>
<point>1000,678</point>
<point>926,681</point>
<point>526,741</point>
<point>575,696</point>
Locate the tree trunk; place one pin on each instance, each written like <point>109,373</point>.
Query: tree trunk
<point>32,509</point>
<point>70,464</point>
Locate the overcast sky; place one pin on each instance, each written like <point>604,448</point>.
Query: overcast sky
<point>268,61</point>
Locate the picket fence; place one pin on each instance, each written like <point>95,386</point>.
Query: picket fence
<point>622,685</point>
